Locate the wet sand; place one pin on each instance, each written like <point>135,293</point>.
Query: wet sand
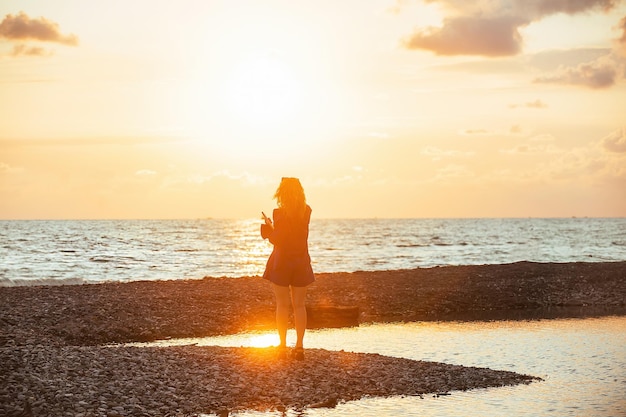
<point>56,355</point>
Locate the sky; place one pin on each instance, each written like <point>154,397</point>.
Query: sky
<point>383,108</point>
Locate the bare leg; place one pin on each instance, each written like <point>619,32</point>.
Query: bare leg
<point>282,312</point>
<point>298,297</point>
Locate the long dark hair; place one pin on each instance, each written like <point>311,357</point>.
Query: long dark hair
<point>290,197</point>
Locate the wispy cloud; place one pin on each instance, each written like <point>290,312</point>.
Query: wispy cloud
<point>25,50</point>
<point>437,154</point>
<point>599,161</point>
<point>554,59</point>
<point>528,149</point>
<point>452,172</point>
<point>602,73</point>
<point>491,28</point>
<point>477,132</point>
<point>245,178</point>
<point>514,130</point>
<point>145,173</point>
<point>21,28</point>
<point>94,141</point>
<point>615,142</point>
<point>536,104</point>
<point>542,137</point>
<point>378,135</point>
<point>8,169</point>
<point>621,41</point>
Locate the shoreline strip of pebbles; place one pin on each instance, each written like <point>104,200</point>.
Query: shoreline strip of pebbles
<point>144,311</point>
<point>118,381</point>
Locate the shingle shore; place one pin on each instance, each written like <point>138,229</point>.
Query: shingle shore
<point>185,380</point>
<point>54,359</point>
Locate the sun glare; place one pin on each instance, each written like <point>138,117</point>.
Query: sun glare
<point>270,107</point>
<point>263,91</point>
<point>264,340</point>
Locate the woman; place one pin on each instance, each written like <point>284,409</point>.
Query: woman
<point>289,266</point>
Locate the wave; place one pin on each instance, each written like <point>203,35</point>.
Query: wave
<point>27,282</point>
<point>101,259</point>
<point>111,258</point>
<point>23,282</point>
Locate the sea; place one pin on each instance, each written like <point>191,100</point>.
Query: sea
<point>49,252</point>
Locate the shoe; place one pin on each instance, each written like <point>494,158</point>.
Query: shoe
<point>282,352</point>
<point>298,353</point>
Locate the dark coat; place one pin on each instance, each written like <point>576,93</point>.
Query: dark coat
<point>289,263</point>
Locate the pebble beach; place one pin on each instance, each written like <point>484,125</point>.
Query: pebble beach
<point>63,351</point>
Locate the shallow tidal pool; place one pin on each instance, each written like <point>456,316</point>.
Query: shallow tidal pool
<point>582,363</point>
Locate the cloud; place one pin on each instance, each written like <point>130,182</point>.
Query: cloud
<point>615,142</point>
<point>397,7</point>
<point>602,73</point>
<point>482,66</point>
<point>527,149</point>
<point>497,36</point>
<point>621,41</point>
<point>532,9</point>
<point>451,173</point>
<point>478,132</point>
<point>514,130</point>
<point>554,59</point>
<point>378,135</point>
<point>8,169</point>
<point>94,141</point>
<point>491,28</point>
<point>21,27</point>
<point>437,154</point>
<point>599,161</point>
<point>540,8</point>
<point>542,137</point>
<point>536,104</point>
<point>24,50</point>
<point>195,179</point>
<point>541,144</point>
<point>145,173</point>
<point>595,68</point>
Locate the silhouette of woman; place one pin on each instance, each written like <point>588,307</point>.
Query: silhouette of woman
<point>289,265</point>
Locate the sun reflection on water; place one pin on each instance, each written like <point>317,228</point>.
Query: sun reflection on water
<point>250,252</point>
<point>263,340</point>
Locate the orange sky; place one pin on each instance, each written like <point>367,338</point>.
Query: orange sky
<point>431,108</point>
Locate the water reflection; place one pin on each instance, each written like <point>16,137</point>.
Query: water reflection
<point>582,361</point>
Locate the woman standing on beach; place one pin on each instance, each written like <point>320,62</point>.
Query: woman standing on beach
<point>289,266</point>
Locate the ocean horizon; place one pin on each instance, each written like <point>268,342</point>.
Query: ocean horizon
<point>45,252</point>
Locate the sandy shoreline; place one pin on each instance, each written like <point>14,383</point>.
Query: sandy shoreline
<point>54,359</point>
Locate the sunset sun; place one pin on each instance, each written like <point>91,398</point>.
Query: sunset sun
<point>263,91</point>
